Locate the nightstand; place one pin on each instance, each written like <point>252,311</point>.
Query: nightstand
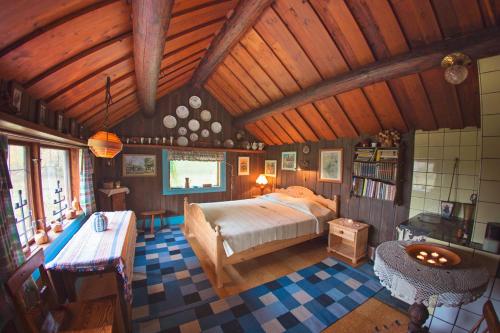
<point>348,238</point>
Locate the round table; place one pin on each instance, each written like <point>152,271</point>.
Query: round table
<point>417,284</point>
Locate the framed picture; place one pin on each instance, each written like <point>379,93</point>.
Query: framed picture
<point>59,122</point>
<point>447,209</point>
<point>41,113</point>
<point>139,165</point>
<point>270,168</point>
<point>330,165</point>
<point>16,97</point>
<point>289,160</point>
<point>243,166</point>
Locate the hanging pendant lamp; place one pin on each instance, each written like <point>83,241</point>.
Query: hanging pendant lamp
<point>105,144</point>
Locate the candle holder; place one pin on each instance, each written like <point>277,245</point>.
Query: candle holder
<point>433,255</point>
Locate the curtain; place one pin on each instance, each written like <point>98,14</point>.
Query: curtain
<point>11,253</point>
<point>87,199</point>
<point>186,155</point>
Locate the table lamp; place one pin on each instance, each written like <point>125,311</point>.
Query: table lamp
<point>262,182</point>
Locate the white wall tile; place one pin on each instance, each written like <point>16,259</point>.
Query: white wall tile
<point>490,103</point>
<point>489,212</point>
<point>451,152</point>
<point>491,125</point>
<point>491,147</point>
<point>420,165</point>
<point>466,168</point>
<point>433,179</point>
<point>421,152</point>
<point>490,169</point>
<point>435,166</point>
<point>490,82</point>
<point>466,182</point>
<point>421,139</point>
<point>433,192</point>
<point>436,139</point>
<point>435,153</point>
<point>489,191</point>
<point>432,206</point>
<point>419,178</point>
<point>451,139</point>
<point>468,138</point>
<point>468,153</point>
<point>489,64</point>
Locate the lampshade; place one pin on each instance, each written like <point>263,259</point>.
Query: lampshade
<point>261,180</point>
<point>105,144</point>
<point>455,65</point>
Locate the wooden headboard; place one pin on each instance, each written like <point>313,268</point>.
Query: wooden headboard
<point>304,192</point>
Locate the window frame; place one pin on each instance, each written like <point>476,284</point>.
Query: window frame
<point>167,190</point>
<point>69,191</point>
<point>29,185</point>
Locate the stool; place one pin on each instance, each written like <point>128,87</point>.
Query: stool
<point>152,214</point>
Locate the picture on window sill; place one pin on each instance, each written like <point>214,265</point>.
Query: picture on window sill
<point>139,165</point>
<point>243,166</point>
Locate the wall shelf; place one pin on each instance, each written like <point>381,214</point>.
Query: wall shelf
<point>229,150</point>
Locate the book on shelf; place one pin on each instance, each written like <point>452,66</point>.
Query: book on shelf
<point>382,171</point>
<point>373,189</point>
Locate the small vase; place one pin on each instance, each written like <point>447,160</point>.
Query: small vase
<point>186,184</point>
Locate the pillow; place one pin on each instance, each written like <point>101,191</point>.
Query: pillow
<point>304,205</point>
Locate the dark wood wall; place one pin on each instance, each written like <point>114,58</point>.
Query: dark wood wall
<point>383,216</point>
<point>146,192</point>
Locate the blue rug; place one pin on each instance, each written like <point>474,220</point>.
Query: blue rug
<point>172,294</point>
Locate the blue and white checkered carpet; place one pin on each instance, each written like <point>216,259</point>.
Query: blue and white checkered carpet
<point>172,293</point>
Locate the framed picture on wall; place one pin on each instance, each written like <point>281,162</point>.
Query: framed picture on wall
<point>139,165</point>
<point>41,113</point>
<point>270,168</point>
<point>289,160</point>
<point>243,166</point>
<point>16,96</point>
<point>330,165</point>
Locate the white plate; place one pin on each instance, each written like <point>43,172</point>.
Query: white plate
<point>229,143</point>
<point>169,121</point>
<point>195,102</point>
<point>182,130</point>
<point>182,112</point>
<point>194,125</point>
<point>182,141</point>
<point>216,127</point>
<point>205,115</point>
<point>205,133</point>
<point>193,137</point>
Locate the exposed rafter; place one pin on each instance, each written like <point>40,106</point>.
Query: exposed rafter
<point>477,45</point>
<point>244,17</point>
<point>150,25</point>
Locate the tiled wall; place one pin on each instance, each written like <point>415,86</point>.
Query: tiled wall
<point>434,159</point>
<point>488,209</point>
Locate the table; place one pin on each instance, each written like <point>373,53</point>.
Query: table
<point>152,213</point>
<point>89,252</point>
<point>348,238</point>
<point>422,285</point>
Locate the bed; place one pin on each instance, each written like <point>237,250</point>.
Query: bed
<point>231,232</point>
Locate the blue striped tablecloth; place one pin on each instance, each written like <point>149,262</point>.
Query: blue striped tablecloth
<point>112,249</point>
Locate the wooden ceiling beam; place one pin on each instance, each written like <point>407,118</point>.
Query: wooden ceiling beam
<point>244,17</point>
<point>150,24</point>
<point>476,45</point>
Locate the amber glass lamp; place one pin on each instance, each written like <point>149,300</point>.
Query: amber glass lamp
<point>262,182</point>
<point>105,144</point>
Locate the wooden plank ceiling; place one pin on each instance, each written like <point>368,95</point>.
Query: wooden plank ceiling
<point>297,44</point>
<point>61,51</point>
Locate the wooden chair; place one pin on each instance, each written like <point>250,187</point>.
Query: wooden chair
<point>88,316</point>
<point>490,316</point>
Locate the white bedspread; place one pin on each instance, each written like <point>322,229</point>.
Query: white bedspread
<point>248,223</point>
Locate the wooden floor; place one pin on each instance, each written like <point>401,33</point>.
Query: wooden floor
<point>372,316</point>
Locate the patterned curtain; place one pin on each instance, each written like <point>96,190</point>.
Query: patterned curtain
<point>87,199</point>
<point>187,155</point>
<point>11,253</point>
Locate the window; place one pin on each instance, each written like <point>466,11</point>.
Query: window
<point>204,176</point>
<point>19,176</point>
<point>54,169</point>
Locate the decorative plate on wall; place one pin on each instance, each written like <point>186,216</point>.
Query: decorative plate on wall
<point>169,121</point>
<point>216,127</point>
<point>182,112</point>
<point>182,141</point>
<point>182,130</point>
<point>193,137</point>
<point>229,143</point>
<point>205,133</point>
<point>205,115</point>
<point>195,102</point>
<point>194,125</point>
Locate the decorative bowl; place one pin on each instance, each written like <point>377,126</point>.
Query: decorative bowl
<point>433,255</point>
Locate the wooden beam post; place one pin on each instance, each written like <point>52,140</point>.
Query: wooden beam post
<point>477,45</point>
<point>150,20</point>
<point>244,17</point>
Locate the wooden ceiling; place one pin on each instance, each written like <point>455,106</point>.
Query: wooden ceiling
<point>297,44</point>
<point>61,51</point>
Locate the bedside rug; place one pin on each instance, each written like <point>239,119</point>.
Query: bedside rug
<point>181,299</point>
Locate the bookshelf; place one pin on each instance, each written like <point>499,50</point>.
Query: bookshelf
<point>376,173</point>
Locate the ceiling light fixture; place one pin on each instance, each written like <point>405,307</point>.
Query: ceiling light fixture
<point>455,65</point>
<point>105,144</point>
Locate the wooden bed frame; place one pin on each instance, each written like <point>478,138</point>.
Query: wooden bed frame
<point>210,239</point>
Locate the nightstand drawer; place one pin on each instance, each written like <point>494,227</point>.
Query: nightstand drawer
<point>344,233</point>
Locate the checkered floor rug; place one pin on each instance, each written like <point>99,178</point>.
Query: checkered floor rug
<point>172,294</point>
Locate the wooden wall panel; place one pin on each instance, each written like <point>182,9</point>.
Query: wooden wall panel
<point>146,192</point>
<point>383,216</point>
